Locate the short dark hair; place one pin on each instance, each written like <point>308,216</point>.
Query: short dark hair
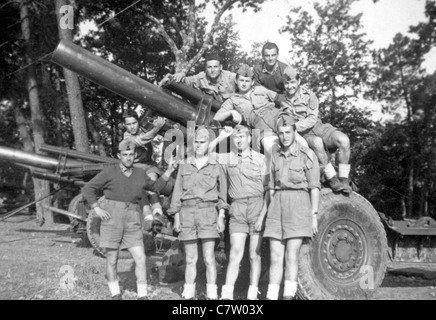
<point>129,113</point>
<point>212,56</point>
<point>269,46</point>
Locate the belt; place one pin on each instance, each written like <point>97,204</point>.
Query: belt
<point>121,204</point>
<point>247,198</point>
<point>198,203</point>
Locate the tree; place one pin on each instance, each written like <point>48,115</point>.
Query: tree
<point>330,51</point>
<point>78,117</point>
<point>42,188</point>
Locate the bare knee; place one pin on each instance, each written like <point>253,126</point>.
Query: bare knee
<point>254,255</point>
<point>236,254</point>
<point>209,260</point>
<point>191,259</point>
<point>316,144</point>
<point>343,142</point>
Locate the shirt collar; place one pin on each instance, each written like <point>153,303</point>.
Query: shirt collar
<point>265,70</point>
<point>210,160</point>
<point>125,169</point>
<point>292,151</point>
<point>248,154</point>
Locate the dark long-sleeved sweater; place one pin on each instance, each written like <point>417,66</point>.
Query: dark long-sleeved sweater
<point>117,186</point>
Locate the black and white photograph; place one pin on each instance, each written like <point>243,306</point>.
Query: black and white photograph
<point>217,154</point>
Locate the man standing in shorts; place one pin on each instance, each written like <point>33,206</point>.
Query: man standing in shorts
<point>302,105</point>
<point>198,203</point>
<point>122,185</point>
<point>294,190</point>
<point>248,179</point>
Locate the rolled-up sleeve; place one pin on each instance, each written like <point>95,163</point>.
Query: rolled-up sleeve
<point>313,172</point>
<point>312,114</point>
<point>222,191</point>
<point>159,184</point>
<point>176,202</point>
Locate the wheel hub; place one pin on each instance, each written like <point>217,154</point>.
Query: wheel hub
<point>343,250</point>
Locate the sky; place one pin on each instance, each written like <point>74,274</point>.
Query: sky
<point>381,21</point>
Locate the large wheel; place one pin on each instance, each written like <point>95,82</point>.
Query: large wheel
<point>73,207</point>
<point>348,257</point>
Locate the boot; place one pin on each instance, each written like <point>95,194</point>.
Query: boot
<point>335,184</point>
<point>346,183</point>
<point>117,297</point>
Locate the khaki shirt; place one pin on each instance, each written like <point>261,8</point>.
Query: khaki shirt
<point>222,90</point>
<point>258,98</point>
<point>143,146</point>
<point>299,169</point>
<point>247,174</point>
<point>207,184</point>
<point>303,107</point>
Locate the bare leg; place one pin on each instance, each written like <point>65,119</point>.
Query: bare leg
<point>255,259</point>
<point>277,249</point>
<point>342,142</point>
<point>111,264</point>
<point>237,245</point>
<point>139,258</point>
<point>291,267</point>
<point>191,252</point>
<point>209,261</point>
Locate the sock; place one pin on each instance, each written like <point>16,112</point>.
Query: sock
<point>211,291</point>
<point>188,291</point>
<point>329,171</point>
<point>227,292</point>
<point>142,289</point>
<point>344,170</point>
<point>273,292</point>
<point>252,293</point>
<point>114,288</point>
<point>290,288</point>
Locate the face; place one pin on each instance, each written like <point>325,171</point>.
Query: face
<point>242,141</point>
<point>270,56</point>
<point>127,158</point>
<point>201,146</point>
<point>244,84</point>
<point>292,86</point>
<point>286,135</point>
<point>213,69</point>
<point>132,125</point>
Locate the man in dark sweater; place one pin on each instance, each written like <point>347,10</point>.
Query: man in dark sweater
<point>269,73</point>
<point>122,185</point>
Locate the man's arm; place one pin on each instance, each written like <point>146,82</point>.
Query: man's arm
<point>165,179</point>
<point>312,114</point>
<point>176,202</point>
<point>91,188</point>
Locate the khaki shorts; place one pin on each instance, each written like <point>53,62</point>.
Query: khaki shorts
<point>198,221</point>
<point>123,230</point>
<point>244,214</point>
<point>289,215</point>
<point>324,131</point>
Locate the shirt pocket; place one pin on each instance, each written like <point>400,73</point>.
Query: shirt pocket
<point>296,174</point>
<point>301,110</point>
<point>187,180</point>
<point>209,179</point>
<point>251,172</point>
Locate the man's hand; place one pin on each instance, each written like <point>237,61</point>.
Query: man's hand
<point>314,224</point>
<point>103,214</point>
<point>177,227</point>
<point>159,122</point>
<point>237,117</point>
<point>227,132</point>
<point>178,77</point>
<point>259,223</point>
<point>172,164</point>
<point>220,223</point>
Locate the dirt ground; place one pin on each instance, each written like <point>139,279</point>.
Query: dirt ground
<point>50,263</point>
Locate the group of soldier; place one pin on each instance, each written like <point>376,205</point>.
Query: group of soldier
<point>272,195</point>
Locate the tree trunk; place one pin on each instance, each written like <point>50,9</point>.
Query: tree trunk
<point>96,137</point>
<point>77,112</point>
<point>410,190</point>
<point>42,188</point>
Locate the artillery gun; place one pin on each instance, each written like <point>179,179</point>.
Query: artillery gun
<point>346,260</point>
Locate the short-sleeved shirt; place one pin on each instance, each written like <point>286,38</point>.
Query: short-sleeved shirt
<point>224,88</point>
<point>258,98</point>
<point>247,174</point>
<point>272,80</point>
<point>298,169</point>
<point>206,184</point>
<point>303,107</point>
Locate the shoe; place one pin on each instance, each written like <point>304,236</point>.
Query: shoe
<point>335,184</point>
<point>288,298</point>
<point>346,183</point>
<point>143,298</point>
<point>117,297</point>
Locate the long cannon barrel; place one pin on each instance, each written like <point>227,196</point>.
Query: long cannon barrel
<point>77,154</point>
<point>36,160</point>
<point>124,83</point>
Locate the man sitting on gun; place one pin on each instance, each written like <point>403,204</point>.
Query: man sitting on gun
<point>302,105</point>
<point>214,81</point>
<point>122,186</point>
